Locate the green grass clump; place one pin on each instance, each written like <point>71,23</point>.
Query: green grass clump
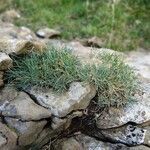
<point>53,68</point>
<point>114,81</point>
<point>121,24</point>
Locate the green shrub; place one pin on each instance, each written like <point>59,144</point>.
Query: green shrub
<point>115,81</point>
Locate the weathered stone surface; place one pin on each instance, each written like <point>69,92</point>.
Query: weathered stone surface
<point>25,33</point>
<point>64,123</point>
<point>83,142</point>
<point>10,15</point>
<point>47,33</point>
<point>128,134</point>
<point>19,46</point>
<point>137,111</point>
<point>10,31</point>
<point>24,108</point>
<point>140,61</point>
<point>7,94</point>
<point>147,136</point>
<point>77,97</point>
<point>1,78</point>
<point>5,61</point>
<point>3,140</point>
<point>27,131</point>
<point>10,141</point>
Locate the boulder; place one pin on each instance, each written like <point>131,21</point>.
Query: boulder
<point>8,138</point>
<point>136,111</point>
<point>27,131</point>
<point>5,61</point>
<point>47,33</point>
<point>77,97</point>
<point>24,108</point>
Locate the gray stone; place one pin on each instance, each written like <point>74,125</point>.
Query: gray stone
<point>1,78</point>
<point>20,46</point>
<point>77,97</point>
<point>27,131</point>
<point>83,142</point>
<point>24,108</point>
<point>47,33</point>
<point>7,94</point>
<point>3,140</point>
<point>5,61</point>
<point>147,136</point>
<point>128,134</point>
<point>140,61</point>
<point>9,138</point>
<point>137,111</point>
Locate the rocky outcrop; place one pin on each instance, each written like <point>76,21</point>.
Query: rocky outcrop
<point>25,109</point>
<point>27,131</point>
<point>77,97</point>
<point>83,142</point>
<point>33,117</point>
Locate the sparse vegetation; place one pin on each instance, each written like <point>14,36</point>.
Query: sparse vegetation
<point>115,81</point>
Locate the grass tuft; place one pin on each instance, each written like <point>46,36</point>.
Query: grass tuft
<point>114,80</point>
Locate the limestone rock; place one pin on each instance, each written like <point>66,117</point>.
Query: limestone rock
<point>147,136</point>
<point>25,33</point>
<point>47,33</point>
<point>1,78</point>
<point>137,111</point>
<point>3,140</point>
<point>7,94</point>
<point>8,141</point>
<point>24,108</point>
<point>64,123</point>
<point>10,31</point>
<point>83,142</point>
<point>27,131</point>
<point>77,97</point>
<point>10,15</point>
<point>5,61</point>
<point>128,134</point>
<point>140,61</point>
<point>18,46</point>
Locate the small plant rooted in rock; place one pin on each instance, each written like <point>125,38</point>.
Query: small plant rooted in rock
<point>114,80</point>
